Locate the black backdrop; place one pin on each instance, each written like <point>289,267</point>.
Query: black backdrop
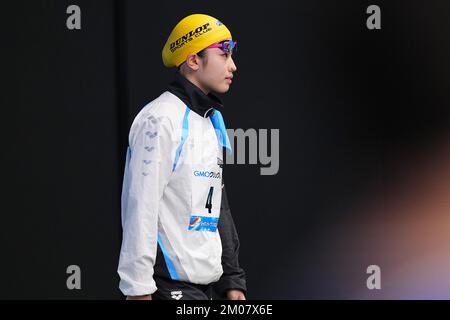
<point>354,107</point>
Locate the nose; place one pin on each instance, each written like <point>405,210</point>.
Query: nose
<point>233,67</point>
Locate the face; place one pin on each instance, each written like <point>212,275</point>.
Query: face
<point>216,70</point>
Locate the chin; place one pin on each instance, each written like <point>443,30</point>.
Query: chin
<point>223,89</point>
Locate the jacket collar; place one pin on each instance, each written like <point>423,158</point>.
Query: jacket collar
<point>193,96</point>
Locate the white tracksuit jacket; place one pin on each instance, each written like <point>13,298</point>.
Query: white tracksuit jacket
<point>171,196</point>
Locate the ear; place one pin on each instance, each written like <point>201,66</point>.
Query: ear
<point>192,61</point>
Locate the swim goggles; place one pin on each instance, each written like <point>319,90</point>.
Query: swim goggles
<point>226,46</point>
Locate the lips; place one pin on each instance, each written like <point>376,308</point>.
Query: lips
<point>230,79</point>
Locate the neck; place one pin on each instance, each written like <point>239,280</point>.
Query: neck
<point>192,79</point>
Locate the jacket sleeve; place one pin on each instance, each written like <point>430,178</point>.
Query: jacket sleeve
<point>147,171</point>
<point>233,276</point>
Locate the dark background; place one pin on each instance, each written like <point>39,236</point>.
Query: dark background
<point>364,134</point>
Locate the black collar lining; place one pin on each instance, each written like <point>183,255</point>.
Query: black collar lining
<point>194,98</point>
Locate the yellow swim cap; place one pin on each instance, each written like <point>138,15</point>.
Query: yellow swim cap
<point>191,35</point>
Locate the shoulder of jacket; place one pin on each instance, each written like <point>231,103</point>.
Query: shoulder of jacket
<point>167,106</point>
<point>167,110</point>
